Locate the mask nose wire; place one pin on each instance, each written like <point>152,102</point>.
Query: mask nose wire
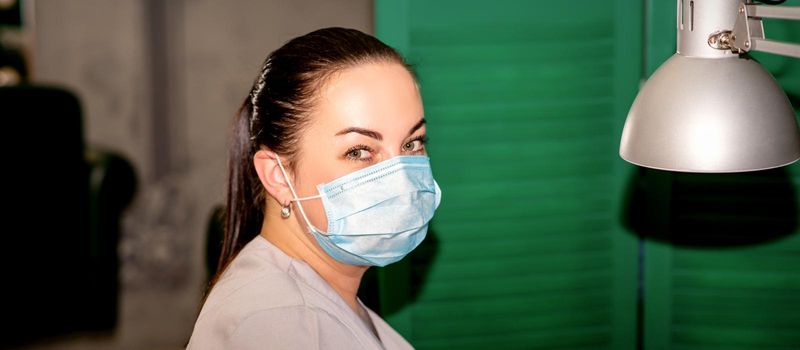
<point>296,198</point>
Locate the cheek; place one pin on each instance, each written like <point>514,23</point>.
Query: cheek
<point>313,169</point>
<point>307,186</point>
<point>316,214</point>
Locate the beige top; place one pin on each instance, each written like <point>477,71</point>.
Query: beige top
<point>268,300</point>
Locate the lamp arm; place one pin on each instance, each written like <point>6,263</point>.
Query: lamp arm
<point>748,32</point>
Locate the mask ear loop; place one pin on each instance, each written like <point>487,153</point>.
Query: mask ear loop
<point>298,199</point>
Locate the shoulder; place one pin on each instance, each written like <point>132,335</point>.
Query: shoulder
<point>255,280</point>
<point>285,327</point>
<point>262,301</point>
<point>291,327</point>
<point>253,287</point>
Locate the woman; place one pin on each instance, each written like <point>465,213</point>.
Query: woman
<point>328,176</point>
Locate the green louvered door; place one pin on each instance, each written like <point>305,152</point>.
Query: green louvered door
<point>535,243</point>
<point>525,102</point>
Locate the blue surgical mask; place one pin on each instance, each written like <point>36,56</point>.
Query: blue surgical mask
<point>376,215</point>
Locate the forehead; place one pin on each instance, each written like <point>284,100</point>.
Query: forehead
<point>381,96</point>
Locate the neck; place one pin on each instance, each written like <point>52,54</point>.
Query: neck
<point>289,236</point>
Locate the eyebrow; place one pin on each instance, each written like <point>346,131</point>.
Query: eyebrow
<point>366,132</point>
<point>376,135</point>
<point>419,124</point>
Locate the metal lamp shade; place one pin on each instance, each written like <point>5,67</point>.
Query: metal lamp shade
<point>710,110</point>
<point>711,115</point>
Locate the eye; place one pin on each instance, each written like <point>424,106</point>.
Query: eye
<point>415,145</point>
<point>359,153</point>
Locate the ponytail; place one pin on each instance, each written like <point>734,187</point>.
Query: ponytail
<point>244,210</point>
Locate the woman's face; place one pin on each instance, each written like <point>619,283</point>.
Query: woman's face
<point>363,115</point>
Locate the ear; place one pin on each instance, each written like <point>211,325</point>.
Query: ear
<point>271,176</point>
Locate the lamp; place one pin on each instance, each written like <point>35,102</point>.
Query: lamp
<point>711,108</point>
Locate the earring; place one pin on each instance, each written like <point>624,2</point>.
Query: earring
<point>285,211</point>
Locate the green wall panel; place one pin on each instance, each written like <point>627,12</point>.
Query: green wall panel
<point>525,102</point>
<point>535,244</point>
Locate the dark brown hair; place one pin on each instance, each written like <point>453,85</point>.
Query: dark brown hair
<point>274,113</point>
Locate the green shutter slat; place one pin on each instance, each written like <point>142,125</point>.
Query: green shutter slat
<point>513,111</point>
<point>732,316</point>
<point>496,287</point>
<point>739,279</point>
<point>559,338</point>
<point>585,298</point>
<point>706,346</point>
<point>737,336</point>
<point>520,229</point>
<point>552,263</point>
<point>475,53</point>
<point>511,322</point>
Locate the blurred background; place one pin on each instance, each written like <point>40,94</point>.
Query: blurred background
<point>545,238</point>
